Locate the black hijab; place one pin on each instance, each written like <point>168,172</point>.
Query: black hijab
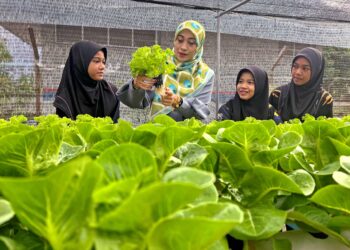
<point>78,93</point>
<point>296,101</point>
<point>257,106</point>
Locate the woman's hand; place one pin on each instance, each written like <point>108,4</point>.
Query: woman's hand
<point>169,98</point>
<point>143,82</point>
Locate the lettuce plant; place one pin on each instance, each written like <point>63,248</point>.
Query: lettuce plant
<point>91,184</point>
<point>151,62</point>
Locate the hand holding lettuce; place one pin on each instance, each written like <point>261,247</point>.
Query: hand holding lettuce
<point>150,62</point>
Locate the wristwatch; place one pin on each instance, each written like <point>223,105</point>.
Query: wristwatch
<point>133,85</point>
<point>179,103</point>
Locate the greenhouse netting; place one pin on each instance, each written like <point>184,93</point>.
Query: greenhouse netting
<point>35,37</point>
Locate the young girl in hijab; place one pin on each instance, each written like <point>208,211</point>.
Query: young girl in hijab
<point>187,90</point>
<point>251,98</point>
<point>304,94</point>
<point>82,89</point>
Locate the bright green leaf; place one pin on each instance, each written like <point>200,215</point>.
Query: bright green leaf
<point>195,228</point>
<point>288,142</point>
<point>203,179</point>
<point>56,207</point>
<point>345,163</point>
<point>316,142</point>
<point>124,131</point>
<point>259,222</point>
<point>250,136</point>
<point>328,169</point>
<point>304,180</point>
<point>260,181</point>
<point>191,154</point>
<point>333,196</point>
<point>127,160</point>
<point>6,212</point>
<point>145,207</point>
<point>342,178</point>
<point>233,161</point>
<point>165,120</point>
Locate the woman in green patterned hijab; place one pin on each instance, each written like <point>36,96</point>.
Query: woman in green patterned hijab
<point>187,92</point>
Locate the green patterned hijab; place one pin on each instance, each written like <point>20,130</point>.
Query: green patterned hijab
<point>189,77</point>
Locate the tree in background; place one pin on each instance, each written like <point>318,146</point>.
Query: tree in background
<point>14,94</point>
<point>25,88</point>
<point>5,80</point>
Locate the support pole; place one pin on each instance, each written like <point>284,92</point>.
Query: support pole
<point>37,76</point>
<point>217,74</point>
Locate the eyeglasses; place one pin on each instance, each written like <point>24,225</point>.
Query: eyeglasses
<point>303,68</point>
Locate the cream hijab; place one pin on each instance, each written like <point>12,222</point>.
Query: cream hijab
<point>189,77</point>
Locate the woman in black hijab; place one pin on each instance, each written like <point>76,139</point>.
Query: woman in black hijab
<point>82,89</point>
<point>304,94</point>
<point>251,98</point>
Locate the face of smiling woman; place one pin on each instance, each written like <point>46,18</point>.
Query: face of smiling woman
<point>185,46</point>
<point>97,66</point>
<point>246,86</point>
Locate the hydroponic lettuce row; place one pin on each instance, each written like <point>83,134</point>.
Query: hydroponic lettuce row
<point>92,184</point>
<point>151,62</point>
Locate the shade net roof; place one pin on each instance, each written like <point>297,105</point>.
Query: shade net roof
<point>294,21</point>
